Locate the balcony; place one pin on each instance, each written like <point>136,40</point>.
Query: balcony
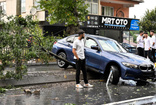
<point>126,3</point>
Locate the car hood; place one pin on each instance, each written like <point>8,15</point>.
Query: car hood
<point>131,58</point>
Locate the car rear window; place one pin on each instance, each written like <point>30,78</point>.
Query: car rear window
<point>70,39</point>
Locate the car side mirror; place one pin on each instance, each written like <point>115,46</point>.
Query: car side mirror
<point>95,47</point>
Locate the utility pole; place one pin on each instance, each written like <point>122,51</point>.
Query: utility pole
<point>18,7</point>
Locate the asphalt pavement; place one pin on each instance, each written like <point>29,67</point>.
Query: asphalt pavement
<point>65,93</point>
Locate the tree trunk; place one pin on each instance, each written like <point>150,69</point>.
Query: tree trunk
<point>72,29</point>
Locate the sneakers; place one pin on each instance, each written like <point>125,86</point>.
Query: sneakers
<point>79,86</point>
<point>88,85</point>
<point>85,86</point>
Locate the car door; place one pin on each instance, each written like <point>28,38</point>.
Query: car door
<point>70,40</point>
<point>69,46</point>
<point>93,57</point>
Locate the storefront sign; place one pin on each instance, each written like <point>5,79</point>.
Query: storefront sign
<point>134,25</point>
<point>114,22</point>
<point>106,22</point>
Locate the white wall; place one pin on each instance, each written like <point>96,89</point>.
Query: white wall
<point>11,9</point>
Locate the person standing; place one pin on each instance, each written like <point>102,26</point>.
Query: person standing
<point>140,44</point>
<point>147,42</point>
<point>79,56</point>
<point>153,41</point>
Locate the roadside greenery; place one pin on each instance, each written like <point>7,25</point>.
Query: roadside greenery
<point>2,90</point>
<point>14,50</point>
<point>132,33</point>
<point>148,22</point>
<point>68,12</point>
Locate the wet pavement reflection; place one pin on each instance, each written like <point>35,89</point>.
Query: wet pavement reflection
<point>62,93</point>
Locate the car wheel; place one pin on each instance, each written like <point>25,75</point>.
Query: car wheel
<point>61,63</point>
<point>114,78</point>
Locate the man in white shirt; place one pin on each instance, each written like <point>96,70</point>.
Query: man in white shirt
<point>147,46</point>
<point>140,44</point>
<point>153,41</point>
<point>79,56</point>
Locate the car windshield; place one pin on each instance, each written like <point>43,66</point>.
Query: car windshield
<point>109,45</point>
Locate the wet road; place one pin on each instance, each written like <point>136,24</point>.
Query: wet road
<point>63,93</point>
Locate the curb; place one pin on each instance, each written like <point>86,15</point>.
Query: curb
<point>41,64</point>
<point>36,80</point>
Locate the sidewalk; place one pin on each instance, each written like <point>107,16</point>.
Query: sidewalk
<point>43,75</point>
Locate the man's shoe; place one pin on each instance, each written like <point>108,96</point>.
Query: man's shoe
<point>79,86</point>
<point>88,85</point>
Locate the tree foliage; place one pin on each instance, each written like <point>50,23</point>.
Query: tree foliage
<point>148,22</point>
<point>68,12</point>
<point>134,36</point>
<point>14,50</point>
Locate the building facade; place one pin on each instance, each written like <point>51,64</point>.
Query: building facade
<point>97,9</point>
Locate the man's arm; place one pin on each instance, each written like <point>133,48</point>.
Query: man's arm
<point>74,50</point>
<point>138,39</point>
<point>75,54</point>
<point>153,41</point>
<point>150,44</point>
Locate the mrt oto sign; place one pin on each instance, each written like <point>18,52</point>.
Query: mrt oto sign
<point>118,23</point>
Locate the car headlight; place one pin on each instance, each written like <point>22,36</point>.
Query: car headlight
<point>130,65</point>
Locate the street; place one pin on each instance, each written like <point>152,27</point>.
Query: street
<point>63,93</point>
<point>49,47</point>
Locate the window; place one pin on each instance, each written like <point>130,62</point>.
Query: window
<point>3,7</point>
<point>112,46</point>
<point>76,37</point>
<point>120,14</point>
<point>23,6</point>
<point>70,39</point>
<point>90,42</point>
<point>37,4</point>
<point>93,6</point>
<point>107,11</point>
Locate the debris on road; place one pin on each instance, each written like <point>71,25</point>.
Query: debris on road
<point>27,91</point>
<point>35,92</point>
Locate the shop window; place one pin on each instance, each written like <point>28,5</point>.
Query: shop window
<point>36,3</point>
<point>23,6</point>
<point>107,11</point>
<point>3,7</point>
<point>93,6</point>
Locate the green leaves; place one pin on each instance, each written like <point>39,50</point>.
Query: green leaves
<point>14,40</point>
<point>2,90</point>
<point>70,12</point>
<point>148,22</point>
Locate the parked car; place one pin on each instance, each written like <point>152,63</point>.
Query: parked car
<point>104,55</point>
<point>129,48</point>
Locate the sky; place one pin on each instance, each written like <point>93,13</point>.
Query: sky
<point>139,9</point>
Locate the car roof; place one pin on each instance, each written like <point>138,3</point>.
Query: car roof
<point>96,36</point>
